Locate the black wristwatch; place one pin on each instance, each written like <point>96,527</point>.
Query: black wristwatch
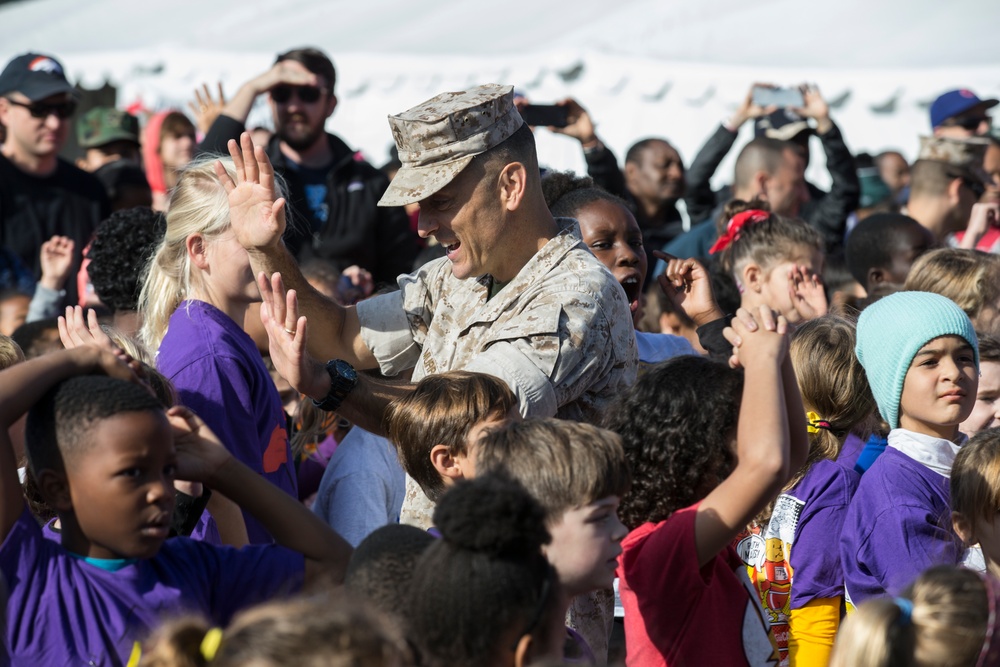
<point>343,378</point>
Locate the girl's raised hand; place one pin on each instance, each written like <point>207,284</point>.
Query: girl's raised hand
<point>256,213</point>
<point>807,293</point>
<point>200,453</point>
<point>688,286</point>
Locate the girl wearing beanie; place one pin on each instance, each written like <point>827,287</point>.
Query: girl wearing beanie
<point>920,354</point>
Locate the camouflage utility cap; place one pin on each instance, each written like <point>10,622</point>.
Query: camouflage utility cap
<point>437,139</point>
<point>965,155</point>
<point>102,125</point>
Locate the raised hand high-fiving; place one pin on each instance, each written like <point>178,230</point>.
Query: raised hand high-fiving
<point>256,212</point>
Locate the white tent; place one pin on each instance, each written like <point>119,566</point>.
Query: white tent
<point>642,67</point>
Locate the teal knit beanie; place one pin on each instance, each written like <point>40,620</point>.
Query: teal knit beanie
<point>890,333</point>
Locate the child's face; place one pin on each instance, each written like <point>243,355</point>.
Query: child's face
<point>910,243</point>
<point>776,287</point>
<point>939,391</point>
<point>121,488</point>
<point>229,277</point>
<point>613,235</point>
<point>13,313</point>
<point>586,543</point>
<point>986,411</point>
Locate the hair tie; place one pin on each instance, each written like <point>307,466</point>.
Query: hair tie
<point>210,644</point>
<point>905,610</point>
<point>814,423</point>
<point>737,223</point>
<point>989,655</point>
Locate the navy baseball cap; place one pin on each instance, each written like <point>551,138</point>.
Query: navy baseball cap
<point>34,75</point>
<point>954,103</point>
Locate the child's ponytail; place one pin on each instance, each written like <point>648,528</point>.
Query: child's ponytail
<point>947,618</point>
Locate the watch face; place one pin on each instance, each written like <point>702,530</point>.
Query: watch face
<point>345,370</point>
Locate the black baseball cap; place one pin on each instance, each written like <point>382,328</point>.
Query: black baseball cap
<point>36,76</point>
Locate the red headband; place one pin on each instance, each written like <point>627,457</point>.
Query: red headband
<point>736,223</point>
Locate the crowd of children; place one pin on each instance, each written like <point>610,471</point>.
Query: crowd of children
<point>801,474</point>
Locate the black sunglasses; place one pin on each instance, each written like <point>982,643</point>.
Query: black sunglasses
<point>62,110</point>
<point>970,124</point>
<point>306,94</point>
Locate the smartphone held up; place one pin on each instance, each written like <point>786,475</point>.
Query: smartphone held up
<point>545,115</point>
<point>768,96</point>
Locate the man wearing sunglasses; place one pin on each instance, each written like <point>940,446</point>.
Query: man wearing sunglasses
<point>960,114</point>
<point>332,191</point>
<point>946,182</point>
<point>42,195</point>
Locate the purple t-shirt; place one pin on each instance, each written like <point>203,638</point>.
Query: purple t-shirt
<point>64,611</point>
<point>219,374</point>
<point>793,560</point>
<point>897,526</point>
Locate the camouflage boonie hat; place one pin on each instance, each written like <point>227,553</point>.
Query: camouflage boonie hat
<point>437,139</point>
<point>102,125</point>
<point>965,155</point>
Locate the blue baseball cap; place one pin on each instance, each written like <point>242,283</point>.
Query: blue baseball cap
<point>954,103</point>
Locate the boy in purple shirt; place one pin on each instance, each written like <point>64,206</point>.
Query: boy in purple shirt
<point>920,354</point>
<point>105,456</point>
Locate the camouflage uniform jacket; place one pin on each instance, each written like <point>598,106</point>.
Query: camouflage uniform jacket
<point>559,334</point>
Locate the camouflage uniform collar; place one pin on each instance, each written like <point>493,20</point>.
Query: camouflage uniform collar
<point>568,237</point>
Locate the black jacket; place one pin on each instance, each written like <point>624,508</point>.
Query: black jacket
<point>357,231</point>
<point>826,211</point>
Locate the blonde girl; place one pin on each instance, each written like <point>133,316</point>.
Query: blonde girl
<point>194,300</point>
<point>947,618</point>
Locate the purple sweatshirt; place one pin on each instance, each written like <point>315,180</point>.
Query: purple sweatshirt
<point>898,525</point>
<point>64,611</point>
<point>219,374</point>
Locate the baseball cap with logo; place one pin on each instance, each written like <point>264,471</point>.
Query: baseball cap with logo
<point>102,125</point>
<point>34,75</point>
<point>954,103</point>
<point>438,138</point>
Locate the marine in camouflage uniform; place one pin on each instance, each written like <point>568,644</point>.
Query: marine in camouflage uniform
<point>559,331</point>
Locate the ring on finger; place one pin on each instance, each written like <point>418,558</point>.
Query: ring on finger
<point>290,332</point>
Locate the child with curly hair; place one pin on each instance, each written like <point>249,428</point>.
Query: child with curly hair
<point>684,588</point>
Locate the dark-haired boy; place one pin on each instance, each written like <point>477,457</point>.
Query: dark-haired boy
<point>105,456</point>
<point>881,250</point>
